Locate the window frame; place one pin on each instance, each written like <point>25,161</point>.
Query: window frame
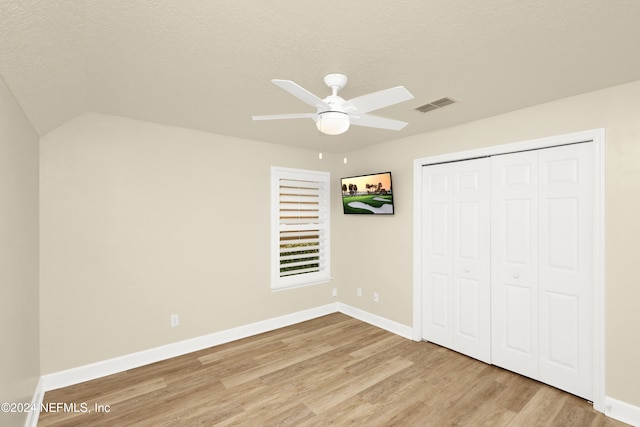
<point>295,225</point>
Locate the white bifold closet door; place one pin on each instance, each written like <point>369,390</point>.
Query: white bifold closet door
<point>456,268</point>
<point>542,258</point>
<point>507,268</point>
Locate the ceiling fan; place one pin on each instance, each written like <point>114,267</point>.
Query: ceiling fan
<point>334,114</point>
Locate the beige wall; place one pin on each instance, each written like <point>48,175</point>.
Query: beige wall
<point>19,357</point>
<point>616,109</point>
<point>140,221</point>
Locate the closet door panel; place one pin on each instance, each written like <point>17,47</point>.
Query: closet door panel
<point>437,295</point>
<point>514,262</point>
<point>566,259</point>
<point>471,258</point>
<point>518,319</point>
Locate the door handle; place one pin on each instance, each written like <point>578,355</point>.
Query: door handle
<point>516,276</point>
<point>467,269</point>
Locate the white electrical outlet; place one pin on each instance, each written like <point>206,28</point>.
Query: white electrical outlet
<point>334,292</point>
<point>359,292</point>
<point>375,297</point>
<point>175,320</point>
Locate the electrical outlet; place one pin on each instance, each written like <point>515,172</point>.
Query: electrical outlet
<point>175,320</point>
<point>375,297</point>
<point>360,292</point>
<point>334,292</point>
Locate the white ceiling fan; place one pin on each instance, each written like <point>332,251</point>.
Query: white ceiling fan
<point>334,114</point>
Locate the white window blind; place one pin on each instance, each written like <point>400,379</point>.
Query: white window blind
<point>300,227</point>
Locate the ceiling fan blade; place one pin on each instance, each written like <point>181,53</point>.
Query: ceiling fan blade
<point>301,93</point>
<point>376,100</point>
<point>286,116</point>
<point>377,122</point>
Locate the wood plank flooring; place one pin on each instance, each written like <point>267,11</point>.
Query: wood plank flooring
<point>333,370</point>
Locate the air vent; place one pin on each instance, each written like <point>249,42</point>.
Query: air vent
<point>426,108</point>
<point>434,105</point>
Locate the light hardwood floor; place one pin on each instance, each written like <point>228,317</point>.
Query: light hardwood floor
<point>333,370</point>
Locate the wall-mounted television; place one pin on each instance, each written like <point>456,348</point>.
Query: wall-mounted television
<point>367,194</point>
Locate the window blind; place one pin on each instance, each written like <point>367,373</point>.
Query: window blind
<point>301,232</point>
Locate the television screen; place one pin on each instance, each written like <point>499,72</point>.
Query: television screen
<point>368,194</point>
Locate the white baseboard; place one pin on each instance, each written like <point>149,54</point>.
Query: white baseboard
<point>36,402</point>
<point>622,411</point>
<point>134,360</point>
<point>375,320</point>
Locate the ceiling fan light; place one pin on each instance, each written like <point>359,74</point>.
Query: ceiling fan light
<point>333,122</point>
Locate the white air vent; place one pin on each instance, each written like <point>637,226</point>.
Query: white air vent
<point>434,105</point>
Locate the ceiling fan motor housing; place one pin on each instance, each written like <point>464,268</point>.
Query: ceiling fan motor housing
<point>334,102</point>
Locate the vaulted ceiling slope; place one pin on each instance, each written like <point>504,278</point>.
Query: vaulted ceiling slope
<point>207,64</point>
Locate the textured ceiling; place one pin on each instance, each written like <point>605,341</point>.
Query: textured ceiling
<point>207,64</point>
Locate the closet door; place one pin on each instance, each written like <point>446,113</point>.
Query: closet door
<point>514,262</point>
<point>456,282</point>
<point>542,257</point>
<point>565,267</point>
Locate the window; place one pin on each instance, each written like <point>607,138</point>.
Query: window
<point>299,227</point>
